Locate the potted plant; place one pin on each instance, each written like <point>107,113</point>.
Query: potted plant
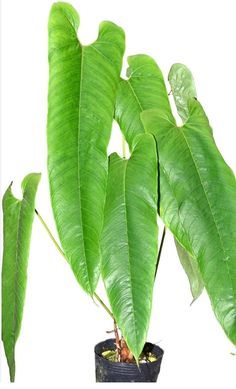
<point>106,208</point>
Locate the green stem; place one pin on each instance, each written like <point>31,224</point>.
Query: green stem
<point>160,249</point>
<point>63,254</point>
<point>104,305</point>
<point>50,234</point>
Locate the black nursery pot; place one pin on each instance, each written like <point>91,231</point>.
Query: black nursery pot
<point>108,371</point>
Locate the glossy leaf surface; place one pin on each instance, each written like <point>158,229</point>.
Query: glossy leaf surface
<point>183,87</point>
<point>82,88</point>
<point>198,203</point>
<point>129,239</point>
<point>18,218</point>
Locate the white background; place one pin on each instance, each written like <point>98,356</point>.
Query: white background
<point>61,324</point>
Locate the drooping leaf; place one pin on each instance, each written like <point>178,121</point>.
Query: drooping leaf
<point>190,265</point>
<point>198,203</point>
<point>82,87</point>
<point>18,218</point>
<point>145,89</point>
<point>129,239</point>
<point>183,88</point>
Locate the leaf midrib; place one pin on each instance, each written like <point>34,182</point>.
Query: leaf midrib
<point>78,167</point>
<point>129,255</point>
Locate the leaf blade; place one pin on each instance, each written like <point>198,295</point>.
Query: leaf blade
<point>129,240</point>
<point>183,88</point>
<point>82,86</point>
<point>191,269</point>
<point>17,227</point>
<point>144,89</point>
<point>199,177</point>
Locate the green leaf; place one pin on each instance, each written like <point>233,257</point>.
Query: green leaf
<point>191,269</point>
<point>129,239</point>
<point>18,218</point>
<point>138,94</point>
<point>198,203</point>
<point>183,87</point>
<point>82,88</point>
<point>144,89</point>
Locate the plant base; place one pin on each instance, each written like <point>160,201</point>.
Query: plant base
<point>108,371</point>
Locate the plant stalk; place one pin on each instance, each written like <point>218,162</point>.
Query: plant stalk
<point>117,341</point>
<point>50,234</point>
<point>104,305</point>
<point>160,249</point>
<point>63,254</point>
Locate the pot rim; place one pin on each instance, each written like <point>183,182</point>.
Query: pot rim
<point>159,354</point>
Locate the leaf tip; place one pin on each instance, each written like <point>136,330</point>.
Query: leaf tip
<point>11,366</point>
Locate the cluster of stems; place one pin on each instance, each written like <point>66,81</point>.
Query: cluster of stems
<point>123,352</point>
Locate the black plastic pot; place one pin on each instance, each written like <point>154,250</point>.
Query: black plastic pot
<point>107,371</point>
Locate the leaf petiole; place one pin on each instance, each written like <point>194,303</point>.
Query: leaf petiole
<point>63,254</point>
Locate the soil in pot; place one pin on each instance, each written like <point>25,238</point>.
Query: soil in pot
<point>109,370</point>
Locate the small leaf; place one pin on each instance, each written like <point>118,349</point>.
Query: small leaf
<point>129,240</point>
<point>191,268</point>
<point>18,218</point>
<point>183,87</point>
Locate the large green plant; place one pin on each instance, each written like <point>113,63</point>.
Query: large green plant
<point>106,209</point>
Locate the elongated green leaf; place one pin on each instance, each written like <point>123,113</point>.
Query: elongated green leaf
<point>129,239</point>
<point>183,87</point>
<point>198,203</point>
<point>18,217</point>
<point>191,268</point>
<point>143,90</point>
<point>82,87</point>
